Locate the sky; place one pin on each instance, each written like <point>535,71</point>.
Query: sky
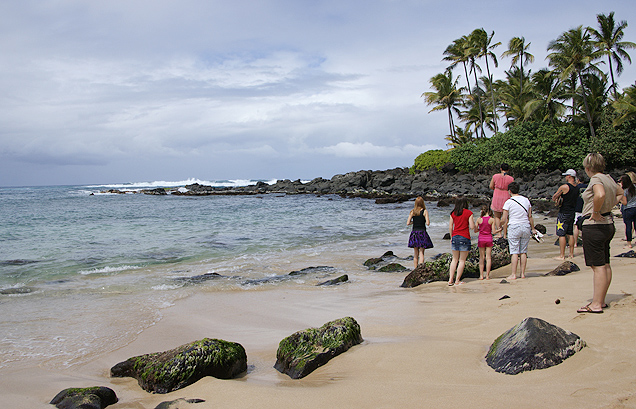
<point>117,91</point>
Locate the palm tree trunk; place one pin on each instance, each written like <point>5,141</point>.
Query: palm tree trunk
<point>467,79</point>
<point>587,108</point>
<point>450,123</point>
<point>609,57</point>
<point>492,93</point>
<point>481,115</point>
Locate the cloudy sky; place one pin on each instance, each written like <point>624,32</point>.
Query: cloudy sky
<point>130,90</point>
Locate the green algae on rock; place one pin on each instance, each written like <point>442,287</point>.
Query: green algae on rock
<point>96,397</point>
<point>302,352</point>
<point>437,270</point>
<point>164,372</point>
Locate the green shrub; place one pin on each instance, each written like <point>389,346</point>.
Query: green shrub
<point>429,159</point>
<point>528,147</point>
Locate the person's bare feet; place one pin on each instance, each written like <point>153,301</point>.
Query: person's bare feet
<point>511,277</point>
<point>559,258</point>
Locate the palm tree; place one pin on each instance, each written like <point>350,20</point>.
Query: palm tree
<point>548,92</point>
<point>517,48</point>
<point>461,137</point>
<point>474,115</point>
<point>512,98</point>
<point>574,53</point>
<point>482,41</point>
<point>625,105</point>
<point>458,53</point>
<point>597,93</point>
<point>447,96</point>
<point>608,40</point>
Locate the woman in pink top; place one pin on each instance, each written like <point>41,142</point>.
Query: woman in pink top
<point>499,183</point>
<point>484,226</point>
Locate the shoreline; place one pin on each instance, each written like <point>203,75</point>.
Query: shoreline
<point>423,346</point>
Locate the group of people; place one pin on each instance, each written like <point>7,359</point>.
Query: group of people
<point>585,208</point>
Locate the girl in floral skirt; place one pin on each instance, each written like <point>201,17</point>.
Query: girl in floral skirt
<point>419,239</point>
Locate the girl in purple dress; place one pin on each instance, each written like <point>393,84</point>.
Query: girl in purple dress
<point>419,239</point>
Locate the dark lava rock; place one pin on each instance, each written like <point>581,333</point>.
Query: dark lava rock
<point>168,371</point>
<point>564,268</point>
<point>629,254</point>
<point>16,291</point>
<point>437,270</point>
<point>376,260</point>
<point>392,267</point>
<point>199,278</point>
<point>97,397</point>
<point>504,297</point>
<point>447,236</point>
<point>302,352</point>
<point>532,344</point>
<point>342,279</point>
<point>180,403</point>
<point>158,191</point>
<point>540,228</point>
<point>313,270</point>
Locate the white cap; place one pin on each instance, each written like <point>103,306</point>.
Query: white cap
<point>570,172</point>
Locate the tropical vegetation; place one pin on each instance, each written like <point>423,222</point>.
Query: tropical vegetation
<point>546,119</point>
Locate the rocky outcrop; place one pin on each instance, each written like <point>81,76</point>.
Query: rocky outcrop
<point>168,371</point>
<point>532,344</point>
<point>438,269</point>
<point>564,268</point>
<point>180,403</point>
<point>392,268</point>
<point>97,397</point>
<point>302,352</point>
<point>339,280</point>
<point>629,254</point>
<point>318,270</point>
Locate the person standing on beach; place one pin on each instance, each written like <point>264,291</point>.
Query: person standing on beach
<point>566,195</point>
<point>499,184</point>
<point>484,226</point>
<point>517,213</point>
<point>598,229</point>
<point>460,224</point>
<point>628,200</point>
<point>419,240</point>
<point>578,209</point>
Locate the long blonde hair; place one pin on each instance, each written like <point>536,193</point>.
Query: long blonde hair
<point>419,206</point>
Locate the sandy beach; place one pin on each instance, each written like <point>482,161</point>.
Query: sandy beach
<point>424,347</point>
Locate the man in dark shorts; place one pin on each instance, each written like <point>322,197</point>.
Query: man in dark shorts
<point>566,195</point>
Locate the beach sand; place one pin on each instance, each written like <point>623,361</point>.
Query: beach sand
<point>424,347</point>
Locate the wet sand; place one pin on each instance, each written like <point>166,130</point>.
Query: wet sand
<point>424,347</point>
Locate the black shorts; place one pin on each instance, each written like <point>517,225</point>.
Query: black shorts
<point>596,243</point>
<point>565,224</point>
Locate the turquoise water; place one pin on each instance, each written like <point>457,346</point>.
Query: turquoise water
<point>74,262</point>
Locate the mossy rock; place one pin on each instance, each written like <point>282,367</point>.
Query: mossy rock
<point>532,344</point>
<point>376,260</point>
<point>97,397</point>
<point>301,353</point>
<point>339,280</point>
<point>168,371</point>
<point>438,268</point>
<point>392,267</point>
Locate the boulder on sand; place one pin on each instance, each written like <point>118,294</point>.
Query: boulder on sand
<point>564,268</point>
<point>532,344</point>
<point>97,397</point>
<point>168,371</point>
<point>438,269</point>
<point>302,352</point>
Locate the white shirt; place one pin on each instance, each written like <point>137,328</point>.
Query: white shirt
<point>518,207</point>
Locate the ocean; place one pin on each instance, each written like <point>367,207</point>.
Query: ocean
<point>83,272</point>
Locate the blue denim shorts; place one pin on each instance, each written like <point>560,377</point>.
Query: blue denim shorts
<point>460,243</point>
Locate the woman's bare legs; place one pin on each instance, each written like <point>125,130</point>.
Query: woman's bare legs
<point>602,281</point>
<point>498,224</point>
<point>463,255</point>
<point>418,256</point>
<point>453,266</point>
<point>482,262</point>
<point>488,262</point>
